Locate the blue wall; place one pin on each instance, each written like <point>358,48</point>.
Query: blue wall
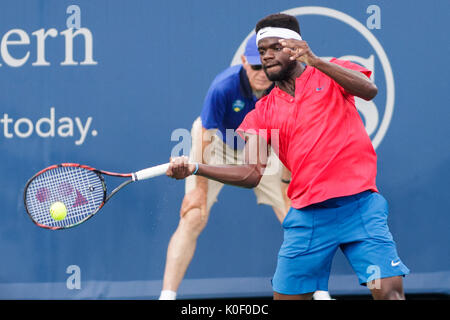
<point>154,62</point>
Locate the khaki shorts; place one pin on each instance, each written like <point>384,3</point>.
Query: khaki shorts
<point>268,190</point>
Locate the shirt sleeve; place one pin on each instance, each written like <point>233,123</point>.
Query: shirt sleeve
<point>214,108</point>
<point>352,66</point>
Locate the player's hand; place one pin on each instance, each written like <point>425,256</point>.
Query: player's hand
<point>194,199</point>
<point>299,50</point>
<point>180,168</point>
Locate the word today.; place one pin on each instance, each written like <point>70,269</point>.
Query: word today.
<point>47,127</point>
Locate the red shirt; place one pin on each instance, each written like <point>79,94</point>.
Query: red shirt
<point>322,139</point>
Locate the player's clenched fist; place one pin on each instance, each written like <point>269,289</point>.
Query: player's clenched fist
<point>180,168</point>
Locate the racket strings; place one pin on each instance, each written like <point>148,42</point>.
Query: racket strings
<point>81,191</point>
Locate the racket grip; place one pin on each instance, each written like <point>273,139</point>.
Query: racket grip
<point>150,172</point>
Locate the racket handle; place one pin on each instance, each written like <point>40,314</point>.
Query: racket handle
<point>150,172</point>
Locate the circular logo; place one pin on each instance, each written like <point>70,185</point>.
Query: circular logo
<point>368,109</point>
<point>238,105</point>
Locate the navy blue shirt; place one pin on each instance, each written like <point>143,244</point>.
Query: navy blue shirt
<point>227,102</point>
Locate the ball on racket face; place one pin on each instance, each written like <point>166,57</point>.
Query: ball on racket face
<point>58,211</point>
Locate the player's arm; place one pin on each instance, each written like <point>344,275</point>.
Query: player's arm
<point>354,82</point>
<point>247,175</point>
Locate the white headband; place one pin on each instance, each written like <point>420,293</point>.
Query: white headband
<point>278,33</point>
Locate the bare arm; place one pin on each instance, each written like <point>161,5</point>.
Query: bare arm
<point>352,81</point>
<point>247,175</point>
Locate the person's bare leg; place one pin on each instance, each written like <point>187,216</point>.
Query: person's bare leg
<point>388,288</point>
<point>182,247</point>
<point>280,296</point>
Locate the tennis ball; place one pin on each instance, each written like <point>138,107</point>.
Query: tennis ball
<point>58,211</point>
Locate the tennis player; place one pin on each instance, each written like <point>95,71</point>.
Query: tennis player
<point>322,141</point>
<point>230,97</point>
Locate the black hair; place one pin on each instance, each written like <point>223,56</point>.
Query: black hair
<point>279,20</point>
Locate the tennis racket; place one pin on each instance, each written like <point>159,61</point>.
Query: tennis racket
<point>80,188</point>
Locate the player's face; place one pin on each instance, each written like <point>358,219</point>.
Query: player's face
<point>276,63</point>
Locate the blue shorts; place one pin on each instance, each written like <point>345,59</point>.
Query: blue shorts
<point>357,224</point>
